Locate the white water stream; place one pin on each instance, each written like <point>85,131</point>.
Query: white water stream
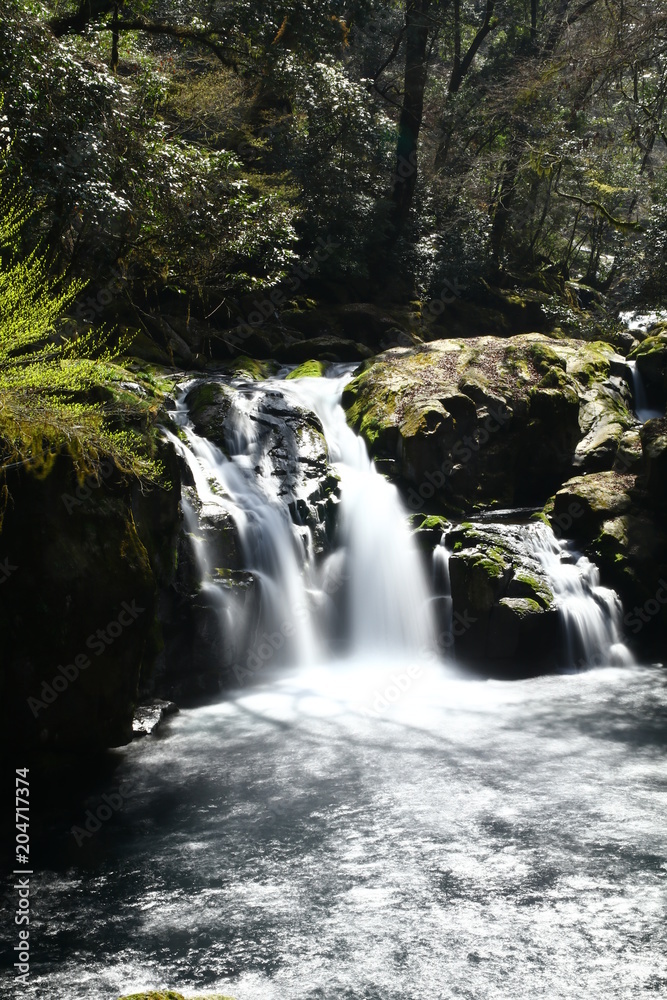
<point>372,826</point>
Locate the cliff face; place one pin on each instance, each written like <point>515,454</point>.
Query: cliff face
<point>83,569</point>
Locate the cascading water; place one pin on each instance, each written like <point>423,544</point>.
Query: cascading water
<point>375,566</point>
<point>643,410</point>
<point>269,540</point>
<point>591,614</point>
<point>388,596</point>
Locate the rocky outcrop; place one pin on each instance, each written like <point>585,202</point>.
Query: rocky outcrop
<point>491,422</point>
<point>504,619</point>
<point>79,612</point>
<point>287,444</point>
<point>651,358</point>
<point>618,521</point>
<point>172,995</point>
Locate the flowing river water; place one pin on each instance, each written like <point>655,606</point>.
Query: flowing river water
<point>371,823</point>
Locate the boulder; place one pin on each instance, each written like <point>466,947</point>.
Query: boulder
<point>79,612</point>
<point>651,358</point>
<point>504,619</point>
<point>654,449</point>
<point>491,422</point>
<point>614,520</point>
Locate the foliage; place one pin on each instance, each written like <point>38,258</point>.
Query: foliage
<point>48,381</point>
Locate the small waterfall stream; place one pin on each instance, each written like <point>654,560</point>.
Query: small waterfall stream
<point>374,570</point>
<point>643,410</point>
<point>368,596</point>
<point>591,614</point>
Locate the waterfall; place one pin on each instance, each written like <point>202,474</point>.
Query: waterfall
<point>592,615</point>
<point>365,593</point>
<point>643,410</point>
<point>371,588</point>
<point>272,546</point>
<point>388,596</point>
<point>442,587</point>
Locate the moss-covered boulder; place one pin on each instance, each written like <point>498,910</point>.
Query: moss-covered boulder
<point>615,522</point>
<point>172,995</point>
<point>504,617</point>
<point>210,404</point>
<point>309,369</point>
<point>490,421</point>
<point>651,358</point>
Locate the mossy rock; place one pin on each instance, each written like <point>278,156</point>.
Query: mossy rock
<point>310,369</point>
<point>172,995</point>
<point>505,618</point>
<point>249,368</point>
<point>651,358</point>
<point>491,421</point>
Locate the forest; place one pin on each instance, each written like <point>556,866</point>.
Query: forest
<point>333,366</point>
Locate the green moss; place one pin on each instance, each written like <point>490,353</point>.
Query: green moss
<point>172,995</point>
<point>249,368</point>
<point>655,345</point>
<point>434,521</point>
<point>521,606</point>
<point>309,369</point>
<point>539,592</point>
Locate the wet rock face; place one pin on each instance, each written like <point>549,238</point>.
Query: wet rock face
<point>654,449</point>
<point>285,443</point>
<point>504,618</point>
<point>78,611</point>
<point>651,358</point>
<point>618,520</point>
<point>490,421</point>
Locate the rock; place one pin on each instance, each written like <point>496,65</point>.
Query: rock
<point>309,369</point>
<point>210,404</point>
<point>491,422</point>
<point>616,524</point>
<point>150,714</point>
<point>504,617</point>
<point>604,418</point>
<point>585,501</point>
<point>79,615</point>
<point>172,995</point>
<point>654,449</point>
<point>651,358</point>
<point>327,348</point>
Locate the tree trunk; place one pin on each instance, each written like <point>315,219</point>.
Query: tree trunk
<point>501,213</point>
<point>114,40</point>
<point>405,178</point>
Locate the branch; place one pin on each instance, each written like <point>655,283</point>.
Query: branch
<point>89,10</point>
<point>588,203</point>
<point>392,55</point>
<point>205,37</point>
<point>459,72</point>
